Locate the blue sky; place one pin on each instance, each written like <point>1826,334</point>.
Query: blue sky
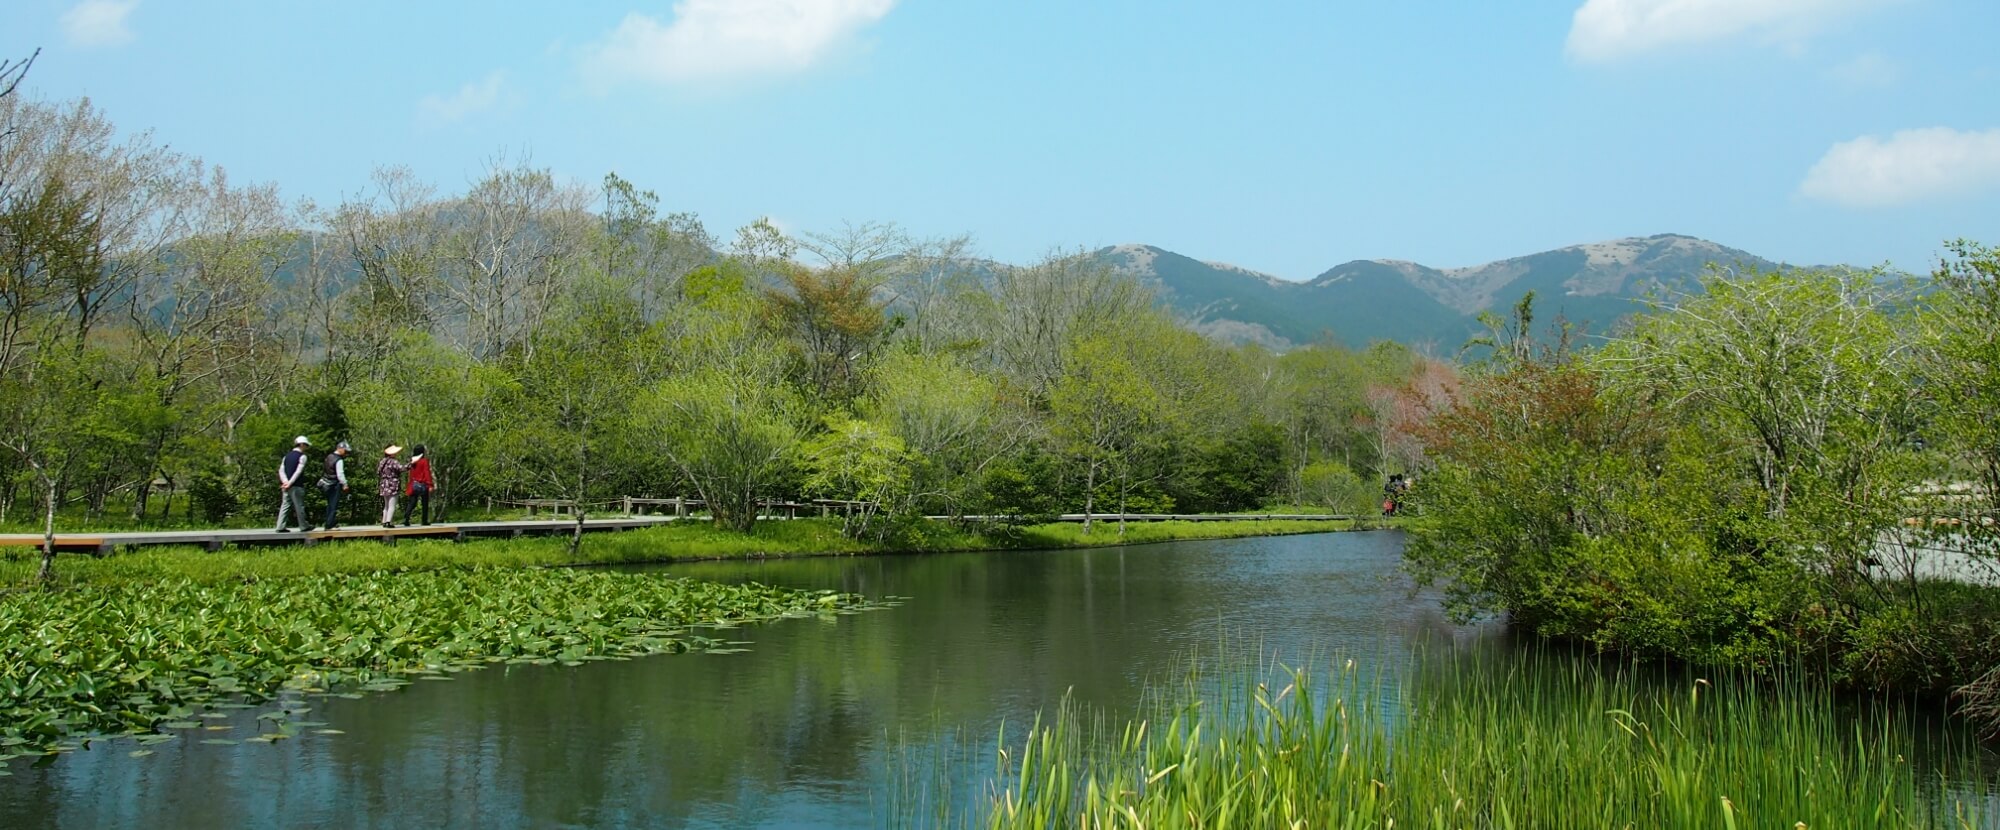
<point>1285,137</point>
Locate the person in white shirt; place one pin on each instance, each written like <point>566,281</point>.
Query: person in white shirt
<point>291,494</point>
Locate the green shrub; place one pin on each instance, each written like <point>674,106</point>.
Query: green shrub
<point>1332,485</point>
<point>214,500</point>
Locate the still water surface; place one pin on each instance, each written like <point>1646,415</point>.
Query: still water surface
<point>807,729</point>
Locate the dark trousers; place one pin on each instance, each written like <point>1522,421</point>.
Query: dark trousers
<point>332,492</point>
<point>418,493</point>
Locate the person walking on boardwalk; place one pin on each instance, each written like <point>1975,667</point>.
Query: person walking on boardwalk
<point>291,495</point>
<point>333,484</point>
<point>420,486</point>
<point>389,482</point>
<point>1393,492</point>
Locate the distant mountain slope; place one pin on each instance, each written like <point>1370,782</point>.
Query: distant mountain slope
<point>1367,300</point>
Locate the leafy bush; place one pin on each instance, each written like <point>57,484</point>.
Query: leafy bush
<point>1331,484</point>
<point>1025,488</point>
<point>214,500</point>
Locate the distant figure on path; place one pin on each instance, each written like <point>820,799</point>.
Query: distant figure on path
<point>333,483</point>
<point>291,498</point>
<point>389,482</point>
<point>421,484</point>
<point>1392,502</point>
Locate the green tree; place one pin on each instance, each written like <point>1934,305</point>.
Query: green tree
<point>1032,316</point>
<point>730,434</point>
<point>953,420</point>
<point>1233,470</point>
<point>1101,413</point>
<point>1802,378</point>
<point>1320,399</point>
<point>54,419</point>
<point>1332,485</point>
<point>1131,402</point>
<point>858,461</point>
<point>832,324</point>
<point>1510,341</point>
<point>569,421</point>
<point>204,330</point>
<point>1959,362</point>
<point>432,394</point>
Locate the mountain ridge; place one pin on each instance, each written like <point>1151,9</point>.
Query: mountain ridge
<point>1364,300</point>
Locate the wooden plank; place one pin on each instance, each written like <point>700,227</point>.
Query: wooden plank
<point>216,539</point>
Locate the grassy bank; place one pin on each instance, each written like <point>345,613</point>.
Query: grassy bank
<point>1533,742</point>
<point>692,540</point>
<point>133,658</point>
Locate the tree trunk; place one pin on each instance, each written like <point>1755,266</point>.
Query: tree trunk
<point>1089,495</point>
<point>95,491</point>
<point>140,493</point>
<point>1124,487</point>
<point>48,569</point>
<point>578,508</point>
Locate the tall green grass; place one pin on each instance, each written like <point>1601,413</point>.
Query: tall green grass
<point>1535,742</point>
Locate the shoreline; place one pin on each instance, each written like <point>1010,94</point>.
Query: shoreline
<point>176,633</point>
<point>664,545</point>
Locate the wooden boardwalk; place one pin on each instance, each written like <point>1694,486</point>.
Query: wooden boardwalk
<point>103,543</point>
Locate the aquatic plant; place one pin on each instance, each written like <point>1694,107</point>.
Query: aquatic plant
<point>1539,744</point>
<point>128,658</point>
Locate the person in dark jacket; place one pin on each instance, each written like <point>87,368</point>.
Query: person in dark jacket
<point>420,486</point>
<point>333,483</point>
<point>291,489</point>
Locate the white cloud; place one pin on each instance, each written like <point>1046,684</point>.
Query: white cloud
<point>98,22</point>
<point>1909,166</point>
<point>1868,70</point>
<point>1607,30</point>
<point>720,39</point>
<point>476,97</point>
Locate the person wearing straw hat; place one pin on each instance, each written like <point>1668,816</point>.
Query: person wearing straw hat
<point>389,482</point>
<point>291,491</point>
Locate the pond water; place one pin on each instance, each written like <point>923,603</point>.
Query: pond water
<point>809,728</point>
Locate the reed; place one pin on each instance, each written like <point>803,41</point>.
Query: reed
<point>1477,742</point>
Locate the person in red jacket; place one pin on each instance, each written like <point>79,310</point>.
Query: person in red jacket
<point>419,487</point>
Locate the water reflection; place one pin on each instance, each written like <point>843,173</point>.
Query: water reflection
<point>804,730</point>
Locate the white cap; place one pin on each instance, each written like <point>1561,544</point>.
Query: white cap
<point>301,440</point>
